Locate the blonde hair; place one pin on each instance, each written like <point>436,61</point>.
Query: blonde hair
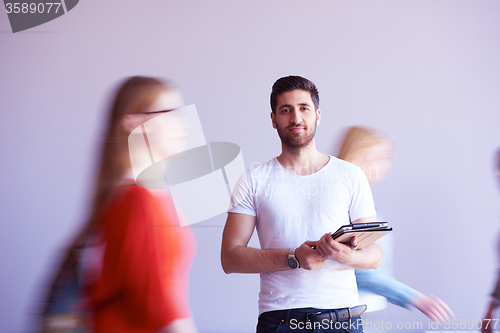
<point>356,140</point>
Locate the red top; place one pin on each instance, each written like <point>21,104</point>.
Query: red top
<point>143,284</point>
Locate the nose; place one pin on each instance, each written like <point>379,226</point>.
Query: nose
<point>296,117</point>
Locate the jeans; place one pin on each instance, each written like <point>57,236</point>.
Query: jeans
<point>270,324</point>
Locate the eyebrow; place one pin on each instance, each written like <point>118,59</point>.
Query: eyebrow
<point>289,106</point>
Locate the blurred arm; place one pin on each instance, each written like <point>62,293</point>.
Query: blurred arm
<point>394,291</point>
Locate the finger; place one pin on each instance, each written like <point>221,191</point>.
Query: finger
<point>443,305</point>
<point>439,316</point>
<point>323,250</point>
<point>433,315</point>
<point>429,313</point>
<point>320,249</point>
<point>329,238</point>
<point>438,307</point>
<point>437,312</point>
<point>322,242</point>
<point>337,246</point>
<point>424,304</point>
<point>323,238</point>
<point>311,243</point>
<point>313,252</point>
<point>354,242</point>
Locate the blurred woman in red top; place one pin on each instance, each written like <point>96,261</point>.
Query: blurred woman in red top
<point>140,285</point>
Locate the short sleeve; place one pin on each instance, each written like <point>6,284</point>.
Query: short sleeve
<point>361,200</point>
<point>242,199</point>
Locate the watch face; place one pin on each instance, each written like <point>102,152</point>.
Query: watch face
<point>292,263</point>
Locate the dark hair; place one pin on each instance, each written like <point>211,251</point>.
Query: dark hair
<point>290,83</point>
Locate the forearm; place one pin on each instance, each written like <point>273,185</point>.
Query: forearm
<point>237,257</point>
<point>366,258</point>
<point>242,259</point>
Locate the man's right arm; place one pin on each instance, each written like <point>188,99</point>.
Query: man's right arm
<point>237,257</point>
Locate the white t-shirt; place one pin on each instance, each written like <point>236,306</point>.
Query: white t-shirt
<point>291,209</point>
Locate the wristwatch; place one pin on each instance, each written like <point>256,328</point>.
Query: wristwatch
<point>292,261</point>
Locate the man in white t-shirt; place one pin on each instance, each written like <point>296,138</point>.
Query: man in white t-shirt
<point>296,201</point>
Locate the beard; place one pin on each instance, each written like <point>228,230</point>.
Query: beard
<point>296,141</point>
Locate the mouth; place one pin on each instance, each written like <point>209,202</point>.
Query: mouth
<point>296,129</point>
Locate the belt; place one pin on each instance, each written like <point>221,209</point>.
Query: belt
<point>305,315</point>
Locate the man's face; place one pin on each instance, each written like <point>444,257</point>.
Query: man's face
<point>296,118</point>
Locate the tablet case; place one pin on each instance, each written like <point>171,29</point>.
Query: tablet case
<point>367,233</point>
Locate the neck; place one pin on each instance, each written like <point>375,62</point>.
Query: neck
<point>128,172</point>
<point>302,161</point>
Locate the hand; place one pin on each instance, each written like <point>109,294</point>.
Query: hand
<point>308,257</point>
<point>329,248</point>
<point>433,307</point>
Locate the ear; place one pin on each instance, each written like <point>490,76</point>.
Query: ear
<point>130,122</point>
<point>318,116</point>
<point>273,119</point>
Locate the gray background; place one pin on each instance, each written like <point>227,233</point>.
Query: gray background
<point>426,73</point>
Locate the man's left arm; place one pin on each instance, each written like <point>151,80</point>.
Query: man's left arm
<point>368,257</point>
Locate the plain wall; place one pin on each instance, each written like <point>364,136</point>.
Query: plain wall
<point>425,73</point>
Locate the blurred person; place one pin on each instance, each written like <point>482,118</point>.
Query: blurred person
<point>494,303</point>
<point>373,153</point>
<point>139,282</point>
